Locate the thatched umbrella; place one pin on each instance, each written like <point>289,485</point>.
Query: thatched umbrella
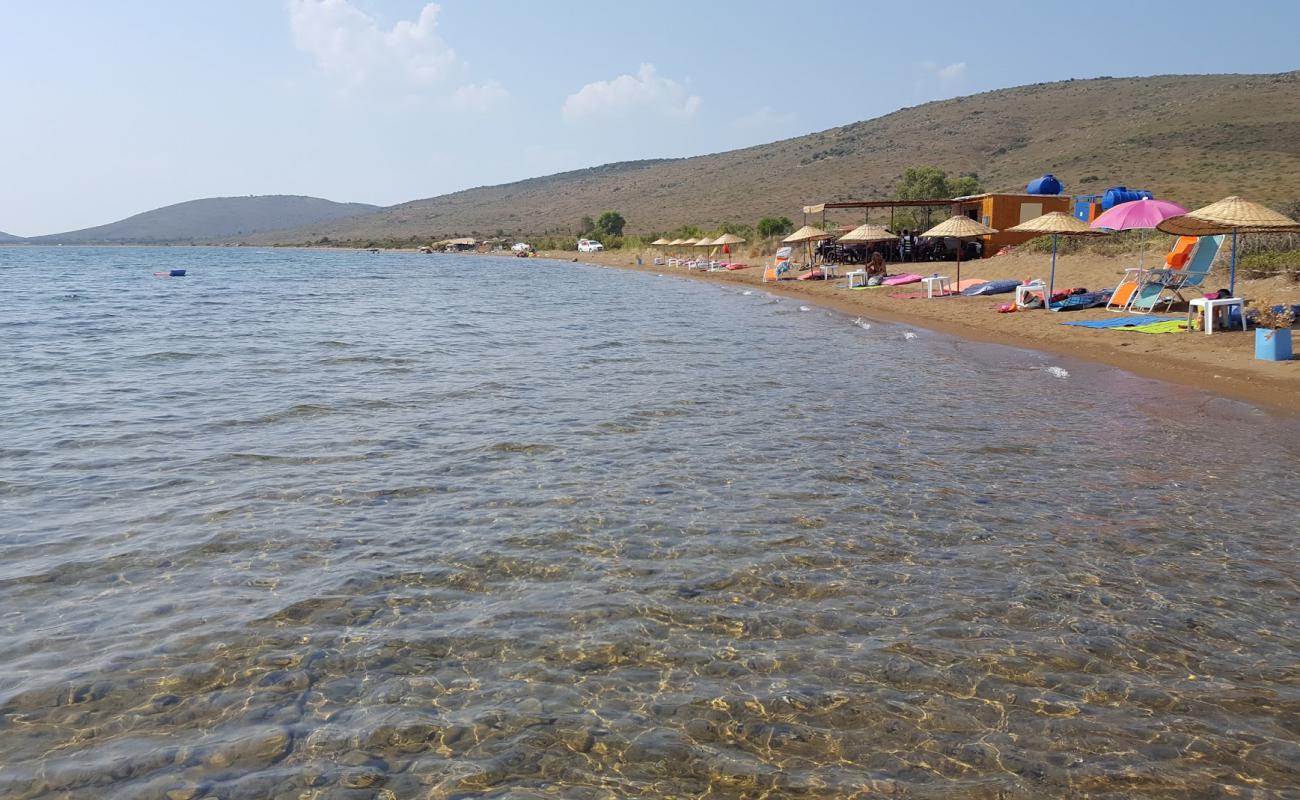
<point>704,242</point>
<point>726,240</point>
<point>867,234</point>
<point>807,235</point>
<point>959,227</point>
<point>1055,224</point>
<point>1230,215</point>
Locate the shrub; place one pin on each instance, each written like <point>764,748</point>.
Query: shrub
<point>611,223</point>
<point>770,227</point>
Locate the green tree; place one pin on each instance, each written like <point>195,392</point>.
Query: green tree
<point>774,226</point>
<point>586,226</point>
<point>923,183</point>
<point>611,223</point>
<point>932,183</point>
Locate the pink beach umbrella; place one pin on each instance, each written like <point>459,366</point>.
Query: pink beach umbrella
<point>1138,215</point>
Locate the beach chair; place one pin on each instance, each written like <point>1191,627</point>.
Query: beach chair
<point>1136,279</point>
<point>780,265</point>
<point>1167,285</point>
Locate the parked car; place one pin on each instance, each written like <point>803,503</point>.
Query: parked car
<point>521,247</point>
<point>589,246</point>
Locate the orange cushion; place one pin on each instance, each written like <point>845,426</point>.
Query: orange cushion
<point>1182,252</point>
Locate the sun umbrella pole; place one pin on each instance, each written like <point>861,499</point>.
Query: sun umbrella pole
<point>1051,279</point>
<point>1232,270</point>
<point>958,283</point>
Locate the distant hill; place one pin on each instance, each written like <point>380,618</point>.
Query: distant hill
<point>1190,138</point>
<point>9,237</point>
<point>212,219</point>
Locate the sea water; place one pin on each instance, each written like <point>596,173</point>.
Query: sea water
<point>327,524</point>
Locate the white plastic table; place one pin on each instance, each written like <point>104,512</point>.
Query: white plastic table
<point>857,273</point>
<point>1210,308</point>
<point>942,281</point>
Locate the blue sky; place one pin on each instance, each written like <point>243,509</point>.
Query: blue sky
<point>115,108</point>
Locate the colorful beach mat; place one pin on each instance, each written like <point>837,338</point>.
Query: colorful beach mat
<point>1120,322</point>
<point>1168,326</point>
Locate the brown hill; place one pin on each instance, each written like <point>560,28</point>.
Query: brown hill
<point>1190,138</point>
<point>210,219</point>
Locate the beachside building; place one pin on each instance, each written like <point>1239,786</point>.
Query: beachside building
<point>1001,211</point>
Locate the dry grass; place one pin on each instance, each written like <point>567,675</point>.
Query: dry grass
<point>1193,139</point>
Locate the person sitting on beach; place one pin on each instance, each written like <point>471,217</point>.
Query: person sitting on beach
<point>876,266</point>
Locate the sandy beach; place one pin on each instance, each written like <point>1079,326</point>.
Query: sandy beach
<point>1223,363</point>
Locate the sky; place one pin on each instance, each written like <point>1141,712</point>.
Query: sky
<point>111,109</point>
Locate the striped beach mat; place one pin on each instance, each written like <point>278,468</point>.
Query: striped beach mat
<point>1121,322</point>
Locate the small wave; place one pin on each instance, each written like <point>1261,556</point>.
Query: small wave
<point>298,411</point>
<point>386,360</point>
<point>863,324</point>
<point>530,448</point>
<point>805,308</point>
<point>265,458</point>
<point>909,335</point>
<point>1058,372</point>
<point>168,355</point>
<point>746,293</point>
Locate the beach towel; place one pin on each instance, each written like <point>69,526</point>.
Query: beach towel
<point>899,280</point>
<point>1168,326</point>
<point>1120,322</point>
<point>1078,302</point>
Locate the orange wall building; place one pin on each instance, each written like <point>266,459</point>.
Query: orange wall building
<point>1002,211</point>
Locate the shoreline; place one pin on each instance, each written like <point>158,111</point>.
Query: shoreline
<point>1222,364</point>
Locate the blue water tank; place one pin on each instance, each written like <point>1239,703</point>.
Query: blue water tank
<point>1120,194</point>
<point>1048,184</point>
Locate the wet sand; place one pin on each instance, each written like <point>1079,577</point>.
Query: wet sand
<point>1223,363</point>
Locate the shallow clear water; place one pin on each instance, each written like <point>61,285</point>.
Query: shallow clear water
<point>358,525</point>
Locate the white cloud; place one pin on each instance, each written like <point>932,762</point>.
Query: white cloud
<point>937,80</point>
<point>351,46</point>
<point>951,73</point>
<point>481,97</point>
<point>645,92</point>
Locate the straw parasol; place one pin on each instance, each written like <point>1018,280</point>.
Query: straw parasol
<point>1230,215</point>
<point>704,242</point>
<point>660,242</point>
<point>959,227</point>
<point>726,241</point>
<point>1055,224</point>
<point>866,234</point>
<point>807,235</point>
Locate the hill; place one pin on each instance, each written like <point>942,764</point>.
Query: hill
<point>9,237</point>
<point>1190,138</point>
<point>212,219</point>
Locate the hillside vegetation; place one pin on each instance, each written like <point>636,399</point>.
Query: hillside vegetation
<point>1190,138</point>
<point>212,219</point>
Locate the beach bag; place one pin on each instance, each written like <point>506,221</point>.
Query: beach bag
<point>875,280</point>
